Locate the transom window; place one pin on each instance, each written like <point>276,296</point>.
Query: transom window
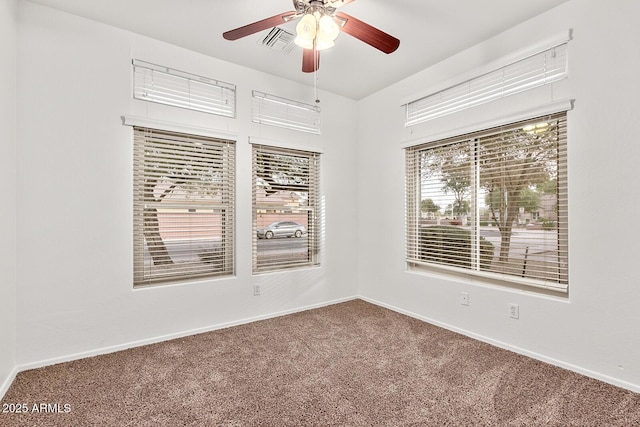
<point>183,206</point>
<point>492,204</point>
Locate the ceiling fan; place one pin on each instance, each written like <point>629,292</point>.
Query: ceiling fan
<point>320,23</point>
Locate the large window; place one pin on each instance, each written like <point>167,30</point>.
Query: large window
<point>183,206</point>
<point>492,204</point>
<point>285,208</point>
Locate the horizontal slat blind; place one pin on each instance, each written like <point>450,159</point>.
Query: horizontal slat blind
<point>183,206</point>
<point>537,70</point>
<point>285,199</point>
<point>275,111</point>
<point>167,86</point>
<point>493,203</point>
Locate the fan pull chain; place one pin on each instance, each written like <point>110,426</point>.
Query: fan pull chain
<point>315,86</point>
<point>315,72</point>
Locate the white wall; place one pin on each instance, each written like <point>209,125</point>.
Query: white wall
<point>595,329</point>
<point>75,195</point>
<point>8,34</point>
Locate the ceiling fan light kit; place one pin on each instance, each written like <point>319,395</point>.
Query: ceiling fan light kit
<point>315,30</point>
<point>319,26</point>
<point>306,32</point>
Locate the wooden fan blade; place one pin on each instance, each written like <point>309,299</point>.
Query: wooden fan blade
<point>310,60</point>
<point>257,26</point>
<point>368,34</point>
<point>340,3</point>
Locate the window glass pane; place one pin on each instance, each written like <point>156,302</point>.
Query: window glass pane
<point>188,240</point>
<point>445,204</point>
<point>519,177</point>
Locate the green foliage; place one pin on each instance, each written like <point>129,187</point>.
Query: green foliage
<point>427,205</point>
<point>459,185</point>
<point>529,200</point>
<point>452,246</point>
<point>548,187</point>
<point>282,172</point>
<point>460,208</point>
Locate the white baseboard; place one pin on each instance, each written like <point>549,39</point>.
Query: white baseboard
<point>6,383</point>
<point>161,338</point>
<point>541,357</point>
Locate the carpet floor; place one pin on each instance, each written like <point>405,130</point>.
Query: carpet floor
<point>349,364</point>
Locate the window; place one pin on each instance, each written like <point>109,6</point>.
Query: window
<point>535,70</point>
<point>183,206</point>
<point>492,204</point>
<point>285,113</point>
<point>163,85</point>
<point>285,208</point>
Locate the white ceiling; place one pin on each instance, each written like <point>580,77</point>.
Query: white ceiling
<point>429,31</point>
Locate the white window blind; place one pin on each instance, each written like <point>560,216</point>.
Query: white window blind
<point>536,70</point>
<point>492,204</point>
<point>183,206</point>
<point>275,111</point>
<point>286,208</point>
<point>167,86</point>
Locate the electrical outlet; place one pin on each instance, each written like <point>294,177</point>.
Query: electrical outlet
<point>256,290</point>
<point>514,311</point>
<point>464,298</point>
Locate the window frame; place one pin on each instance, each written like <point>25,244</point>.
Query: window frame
<point>413,188</point>
<point>261,207</point>
<point>212,202</point>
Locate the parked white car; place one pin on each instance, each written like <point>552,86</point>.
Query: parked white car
<point>282,229</point>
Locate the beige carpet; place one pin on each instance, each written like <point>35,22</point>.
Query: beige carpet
<point>350,364</point>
